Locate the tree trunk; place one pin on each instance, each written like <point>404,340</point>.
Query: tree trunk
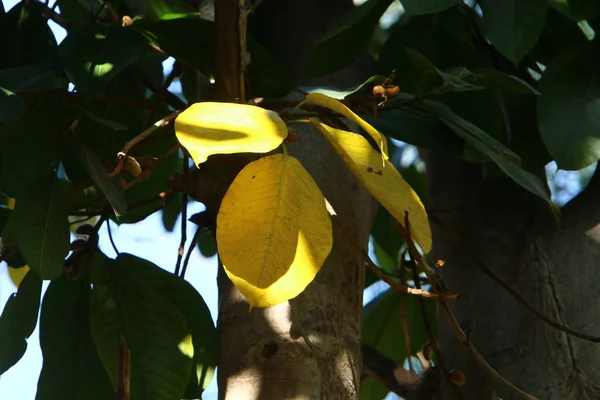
<point>309,347</point>
<point>553,267</point>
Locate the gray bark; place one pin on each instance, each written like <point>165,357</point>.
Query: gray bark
<point>553,267</point>
<point>309,347</point>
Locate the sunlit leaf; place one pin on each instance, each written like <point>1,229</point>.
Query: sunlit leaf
<point>273,230</point>
<point>123,304</point>
<point>42,226</point>
<point>71,368</point>
<point>18,321</point>
<point>92,55</point>
<point>338,107</point>
<point>384,182</point>
<point>17,274</point>
<point>209,128</point>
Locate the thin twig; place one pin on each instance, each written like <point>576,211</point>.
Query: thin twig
<point>406,332</point>
<point>393,284</point>
<point>492,275</point>
<point>190,251</point>
<point>184,200</point>
<point>158,124</point>
<point>458,331</point>
<point>110,237</point>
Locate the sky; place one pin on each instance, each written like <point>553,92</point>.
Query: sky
<point>148,239</point>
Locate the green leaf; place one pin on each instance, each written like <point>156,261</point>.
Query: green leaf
<point>505,158</point>
<point>207,243</point>
<point>71,368</point>
<point>190,303</point>
<point>33,78</point>
<point>560,35</point>
<point>346,40</point>
<point>495,80</point>
<point>387,240</point>
<point>454,80</point>
<point>514,26</point>
<point>417,7</point>
<point>569,108</point>
<point>382,328</point>
<point>27,37</point>
<point>18,320</point>
<point>172,9</point>
<point>577,10</point>
<point>94,54</point>
<point>171,212</point>
<point>42,227</point>
<point>125,305</point>
<point>11,106</point>
<point>109,186</point>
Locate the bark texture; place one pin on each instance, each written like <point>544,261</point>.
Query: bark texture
<point>553,267</point>
<point>309,347</point>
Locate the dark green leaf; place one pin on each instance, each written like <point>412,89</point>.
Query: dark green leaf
<point>505,158</point>
<point>94,54</point>
<point>11,106</point>
<point>569,108</point>
<point>172,9</point>
<point>577,10</point>
<point>104,121</point>
<point>383,329</point>
<point>9,240</point>
<point>416,128</point>
<point>71,369</point>
<point>514,26</point>
<point>109,186</point>
<point>207,243</point>
<point>18,320</point>
<point>346,40</point>
<point>33,78</point>
<point>417,7</point>
<point>42,227</point>
<point>27,39</point>
<point>171,212</point>
<point>30,146</point>
<point>125,305</point>
<point>187,300</point>
<point>560,34</point>
<point>495,80</point>
<point>387,240</point>
<point>75,11</point>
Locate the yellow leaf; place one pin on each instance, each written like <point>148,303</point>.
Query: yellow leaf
<point>209,128</point>
<point>386,184</point>
<point>273,230</point>
<point>337,106</point>
<point>17,274</point>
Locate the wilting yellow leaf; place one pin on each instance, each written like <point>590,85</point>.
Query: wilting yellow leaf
<point>273,230</point>
<point>337,106</point>
<point>385,183</point>
<point>17,274</point>
<point>209,128</point>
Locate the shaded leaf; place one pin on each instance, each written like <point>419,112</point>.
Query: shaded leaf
<point>30,40</point>
<point>71,368</point>
<point>514,26</point>
<point>42,228</point>
<point>109,186</point>
<point>207,244</point>
<point>94,54</point>
<point>417,7</point>
<point>416,128</point>
<point>11,105</point>
<point>33,78</point>
<point>171,212</point>
<point>387,240</point>
<point>346,40</point>
<point>382,329</point>
<point>191,304</point>
<point>209,128</point>
<point>273,230</point>
<point>337,106</point>
<point>495,80</point>
<point>576,9</point>
<point>123,304</point>
<point>569,108</point>
<point>18,321</point>
<point>384,182</point>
